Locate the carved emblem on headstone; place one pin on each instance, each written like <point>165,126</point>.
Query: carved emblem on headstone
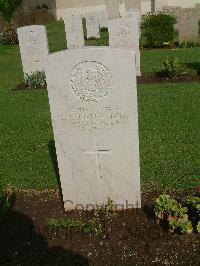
<point>91,81</point>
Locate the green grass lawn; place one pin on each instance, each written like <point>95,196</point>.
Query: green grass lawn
<point>169,117</point>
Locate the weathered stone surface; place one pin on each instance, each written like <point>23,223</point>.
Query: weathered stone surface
<point>92,25</point>
<point>188,25</point>
<point>112,7</point>
<point>132,4</point>
<point>103,19</point>
<point>93,100</point>
<point>74,31</point>
<point>124,34</point>
<point>135,14</point>
<point>198,10</point>
<point>33,47</point>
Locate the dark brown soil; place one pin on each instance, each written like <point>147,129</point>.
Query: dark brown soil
<point>22,87</point>
<point>156,79</point>
<point>133,238</point>
<point>140,80</point>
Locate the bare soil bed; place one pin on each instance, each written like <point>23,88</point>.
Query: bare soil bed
<point>133,237</point>
<point>147,79</point>
<point>144,79</point>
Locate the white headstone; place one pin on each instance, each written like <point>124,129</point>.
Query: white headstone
<point>122,10</point>
<point>124,34</point>
<point>74,31</point>
<point>92,25</point>
<point>93,101</point>
<point>188,25</point>
<point>112,7</point>
<point>33,47</point>
<point>135,14</point>
<point>198,9</point>
<point>132,4</point>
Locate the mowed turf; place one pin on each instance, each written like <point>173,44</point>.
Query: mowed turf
<point>169,119</point>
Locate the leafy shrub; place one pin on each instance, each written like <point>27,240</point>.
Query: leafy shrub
<point>172,67</point>
<point>8,7</point>
<point>103,29</point>
<point>168,209</point>
<point>188,44</point>
<point>9,33</point>
<point>194,204</point>
<point>158,29</point>
<point>35,80</point>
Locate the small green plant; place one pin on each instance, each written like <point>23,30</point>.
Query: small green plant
<point>35,80</point>
<point>65,223</point>
<point>172,67</point>
<point>103,29</point>
<point>194,205</point>
<point>158,29</point>
<point>97,225</point>
<point>188,44</point>
<point>168,209</point>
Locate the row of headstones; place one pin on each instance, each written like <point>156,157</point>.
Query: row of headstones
<point>187,22</point>
<point>93,101</point>
<point>123,34</point>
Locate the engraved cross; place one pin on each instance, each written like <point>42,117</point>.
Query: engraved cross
<point>97,152</point>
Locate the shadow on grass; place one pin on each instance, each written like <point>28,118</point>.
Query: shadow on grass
<point>52,152</point>
<point>22,243</point>
<point>194,66</point>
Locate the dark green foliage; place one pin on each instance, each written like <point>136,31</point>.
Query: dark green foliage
<point>168,209</point>
<point>101,216</point>
<point>158,29</point>
<point>194,205</point>
<point>8,7</point>
<point>172,67</point>
<point>35,80</point>
<point>188,44</point>
<point>103,29</point>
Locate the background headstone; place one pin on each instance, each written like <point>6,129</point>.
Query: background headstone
<point>135,14</point>
<point>93,100</point>
<point>33,47</point>
<point>174,11</point>
<point>92,25</point>
<point>124,34</point>
<point>132,4</point>
<point>103,19</point>
<point>198,9</point>
<point>112,7</point>
<point>188,26</point>
<point>74,31</point>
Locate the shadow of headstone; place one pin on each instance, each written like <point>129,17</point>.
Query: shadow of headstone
<point>22,244</point>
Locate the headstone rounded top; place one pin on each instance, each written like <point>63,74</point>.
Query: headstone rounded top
<point>90,81</point>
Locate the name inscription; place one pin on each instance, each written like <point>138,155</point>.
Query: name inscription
<point>85,119</point>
